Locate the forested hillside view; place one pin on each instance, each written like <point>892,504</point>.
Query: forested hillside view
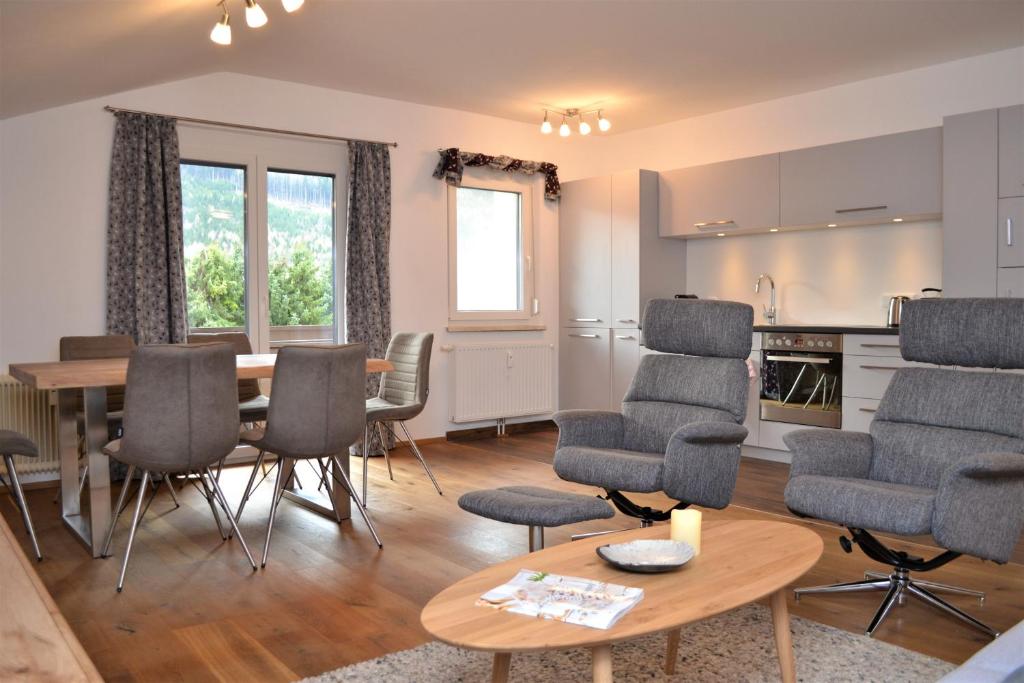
<point>300,232</point>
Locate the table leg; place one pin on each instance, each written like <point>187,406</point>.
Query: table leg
<point>311,498</point>
<point>783,637</point>
<point>502,664</point>
<point>90,531</point>
<point>672,651</point>
<point>602,656</point>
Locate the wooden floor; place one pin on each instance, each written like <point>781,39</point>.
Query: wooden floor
<point>192,609</point>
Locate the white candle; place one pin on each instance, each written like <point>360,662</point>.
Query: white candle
<point>685,526</point>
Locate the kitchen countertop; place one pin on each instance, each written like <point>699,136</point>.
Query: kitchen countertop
<point>830,329</point>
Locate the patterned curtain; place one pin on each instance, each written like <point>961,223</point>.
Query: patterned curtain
<point>450,166</point>
<point>145,250</point>
<point>367,267</point>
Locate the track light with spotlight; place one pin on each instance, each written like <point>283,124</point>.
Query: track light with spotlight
<point>582,125</point>
<point>291,5</point>
<point>221,33</point>
<point>254,14</point>
<point>255,17</point>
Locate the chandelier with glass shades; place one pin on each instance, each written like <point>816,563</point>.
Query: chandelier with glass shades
<point>603,124</point>
<point>254,17</point>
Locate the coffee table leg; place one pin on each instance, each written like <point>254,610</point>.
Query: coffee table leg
<point>672,651</point>
<point>602,655</point>
<point>783,638</point>
<point>502,664</point>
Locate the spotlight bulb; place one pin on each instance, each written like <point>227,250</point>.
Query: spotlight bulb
<point>545,127</point>
<point>291,5</point>
<point>584,127</point>
<point>221,33</point>
<point>563,130</point>
<point>603,123</point>
<point>254,14</point>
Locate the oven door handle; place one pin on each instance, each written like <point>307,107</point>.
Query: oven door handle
<point>815,360</point>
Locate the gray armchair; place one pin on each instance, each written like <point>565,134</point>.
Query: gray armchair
<point>945,454</point>
<point>680,427</point>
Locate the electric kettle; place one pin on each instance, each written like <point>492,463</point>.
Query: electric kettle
<point>896,310</point>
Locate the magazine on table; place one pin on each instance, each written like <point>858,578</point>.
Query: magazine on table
<point>571,599</point>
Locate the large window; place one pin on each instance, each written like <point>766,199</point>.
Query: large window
<point>260,234</point>
<point>490,237</point>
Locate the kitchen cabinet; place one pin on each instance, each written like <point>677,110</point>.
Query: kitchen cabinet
<point>626,352</point>
<point>863,181</point>
<point>1011,282</point>
<point>753,419</point>
<point>1010,232</point>
<point>584,369</point>
<point>858,413</point>
<point>969,186</point>
<point>584,241</point>
<point>1011,151</point>
<point>729,196</point>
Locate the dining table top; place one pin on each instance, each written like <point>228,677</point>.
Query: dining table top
<point>106,372</point>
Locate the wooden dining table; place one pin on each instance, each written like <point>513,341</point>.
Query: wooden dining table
<point>91,378</point>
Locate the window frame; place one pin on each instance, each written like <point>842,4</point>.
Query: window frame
<point>528,307</point>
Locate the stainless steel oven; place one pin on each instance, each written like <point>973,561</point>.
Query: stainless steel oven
<point>802,378</point>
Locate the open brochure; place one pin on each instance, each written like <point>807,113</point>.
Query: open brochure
<point>563,598</point>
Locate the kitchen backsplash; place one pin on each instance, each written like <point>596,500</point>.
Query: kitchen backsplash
<point>840,275</point>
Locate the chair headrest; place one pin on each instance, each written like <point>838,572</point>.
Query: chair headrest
<point>720,329</point>
<point>974,333</point>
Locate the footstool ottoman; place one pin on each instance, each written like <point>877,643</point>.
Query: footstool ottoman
<point>535,508</point>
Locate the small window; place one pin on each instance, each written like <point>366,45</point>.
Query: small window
<point>490,241</point>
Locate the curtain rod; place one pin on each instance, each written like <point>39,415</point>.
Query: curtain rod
<point>242,126</point>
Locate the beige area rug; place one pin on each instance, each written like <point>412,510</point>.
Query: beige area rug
<point>737,647</point>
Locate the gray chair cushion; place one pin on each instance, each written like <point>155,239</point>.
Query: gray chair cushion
<point>721,329</point>
<point>974,333</point>
<point>404,390</point>
<point>611,469</point>
<point>862,503</point>
<point>13,443</point>
<point>382,409</point>
<point>254,409</point>
<point>534,506</point>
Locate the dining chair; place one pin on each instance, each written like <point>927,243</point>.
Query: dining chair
<point>12,444</point>
<point>252,403</point>
<point>402,396</point>
<point>317,410</point>
<point>180,417</point>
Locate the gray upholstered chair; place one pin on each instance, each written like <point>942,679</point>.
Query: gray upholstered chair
<point>680,427</point>
<point>317,410</point>
<point>945,454</point>
<point>12,444</point>
<point>180,417</point>
<point>402,396</point>
<point>252,403</point>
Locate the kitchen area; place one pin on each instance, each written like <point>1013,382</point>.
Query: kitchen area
<point>825,242</point>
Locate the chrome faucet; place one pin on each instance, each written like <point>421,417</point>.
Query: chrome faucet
<point>769,311</point>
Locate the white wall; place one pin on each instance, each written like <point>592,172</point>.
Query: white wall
<point>54,173</point>
<point>832,276</point>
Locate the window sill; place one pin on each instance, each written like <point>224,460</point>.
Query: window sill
<point>468,326</point>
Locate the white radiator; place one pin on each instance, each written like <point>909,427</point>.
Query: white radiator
<point>500,380</point>
<point>34,414</point>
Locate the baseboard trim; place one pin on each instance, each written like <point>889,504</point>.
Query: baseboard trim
<point>478,433</point>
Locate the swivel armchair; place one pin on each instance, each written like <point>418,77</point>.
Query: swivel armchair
<point>680,428</point>
<point>945,454</point>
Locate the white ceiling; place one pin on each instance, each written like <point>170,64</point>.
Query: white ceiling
<point>645,62</point>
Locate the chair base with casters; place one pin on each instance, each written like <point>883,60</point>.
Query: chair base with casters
<point>898,585</point>
<point>11,444</point>
<point>380,426</point>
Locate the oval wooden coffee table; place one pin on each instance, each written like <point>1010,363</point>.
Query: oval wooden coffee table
<point>740,562</point>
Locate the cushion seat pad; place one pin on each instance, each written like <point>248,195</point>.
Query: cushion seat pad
<point>382,409</point>
<point>534,506</point>
<point>863,503</point>
<point>612,469</point>
<point>13,443</point>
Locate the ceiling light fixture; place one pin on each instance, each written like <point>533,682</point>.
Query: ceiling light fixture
<point>291,5</point>
<point>582,125</point>
<point>254,14</point>
<point>221,33</point>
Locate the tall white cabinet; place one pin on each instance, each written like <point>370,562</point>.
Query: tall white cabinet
<point>611,262</point>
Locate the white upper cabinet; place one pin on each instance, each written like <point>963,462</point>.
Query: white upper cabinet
<point>1010,232</point>
<point>585,251</point>
<point>729,196</point>
<point>867,181</point>
<point>1011,151</point>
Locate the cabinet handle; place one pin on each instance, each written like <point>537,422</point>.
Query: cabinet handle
<point>865,208</point>
<point>624,336</point>
<point>880,346</point>
<point>586,336</point>
<point>868,410</point>
<point>625,320</point>
<point>1009,232</point>
<point>715,225</point>
<point>584,320</point>
<point>882,367</point>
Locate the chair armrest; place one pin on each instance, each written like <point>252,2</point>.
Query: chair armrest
<point>702,460</point>
<point>712,432</point>
<point>979,507</point>
<point>830,453</point>
<point>589,428</point>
